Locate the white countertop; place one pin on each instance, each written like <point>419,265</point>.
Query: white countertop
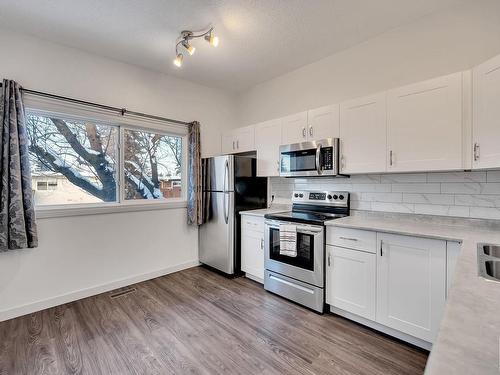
<point>270,210</point>
<point>469,335</point>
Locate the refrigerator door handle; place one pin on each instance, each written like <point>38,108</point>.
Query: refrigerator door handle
<point>226,210</point>
<point>226,176</point>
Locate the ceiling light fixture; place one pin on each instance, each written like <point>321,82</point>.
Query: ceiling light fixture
<point>184,41</point>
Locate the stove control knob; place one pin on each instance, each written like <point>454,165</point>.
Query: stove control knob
<point>301,195</point>
<point>296,195</point>
<point>341,197</point>
<point>335,197</point>
<point>329,196</point>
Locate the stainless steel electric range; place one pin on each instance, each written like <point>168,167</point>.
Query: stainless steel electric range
<point>301,277</point>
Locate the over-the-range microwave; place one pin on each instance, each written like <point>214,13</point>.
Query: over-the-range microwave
<point>307,159</point>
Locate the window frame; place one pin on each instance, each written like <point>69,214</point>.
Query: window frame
<point>55,107</point>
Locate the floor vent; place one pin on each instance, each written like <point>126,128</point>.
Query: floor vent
<point>122,292</point>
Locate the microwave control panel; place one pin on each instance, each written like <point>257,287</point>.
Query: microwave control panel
<point>327,158</point>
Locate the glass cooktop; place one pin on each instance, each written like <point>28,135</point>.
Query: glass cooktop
<point>305,217</point>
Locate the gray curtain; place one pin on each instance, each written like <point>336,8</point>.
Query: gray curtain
<point>17,213</point>
<point>194,204</point>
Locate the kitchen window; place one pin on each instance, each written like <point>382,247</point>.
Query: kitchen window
<point>96,162</point>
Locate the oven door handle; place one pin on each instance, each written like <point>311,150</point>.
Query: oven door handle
<point>300,229</point>
<point>319,168</point>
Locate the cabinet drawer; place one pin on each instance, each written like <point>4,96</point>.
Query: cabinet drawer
<point>252,223</point>
<point>352,239</point>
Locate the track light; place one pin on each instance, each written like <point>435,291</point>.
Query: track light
<point>185,38</point>
<point>178,60</point>
<point>212,39</point>
<point>188,47</point>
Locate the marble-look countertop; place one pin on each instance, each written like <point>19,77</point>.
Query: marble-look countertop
<point>469,334</point>
<point>270,210</point>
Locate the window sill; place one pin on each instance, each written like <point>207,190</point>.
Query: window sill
<point>111,208</point>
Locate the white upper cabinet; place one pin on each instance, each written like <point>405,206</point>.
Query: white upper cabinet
<point>228,143</point>
<point>486,114</point>
<point>239,140</point>
<point>363,135</point>
<point>267,141</point>
<point>323,123</point>
<point>312,125</point>
<point>411,284</point>
<point>424,125</point>
<point>294,128</point>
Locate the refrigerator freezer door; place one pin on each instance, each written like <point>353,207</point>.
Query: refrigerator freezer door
<point>218,173</point>
<point>216,237</point>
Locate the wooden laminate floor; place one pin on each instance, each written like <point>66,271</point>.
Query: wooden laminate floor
<point>196,322</point>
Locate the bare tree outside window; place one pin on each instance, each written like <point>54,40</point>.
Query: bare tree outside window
<point>81,160</point>
<point>152,165</point>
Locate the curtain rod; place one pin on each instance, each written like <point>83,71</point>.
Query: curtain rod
<point>122,111</point>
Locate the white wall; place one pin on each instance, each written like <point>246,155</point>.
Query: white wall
<point>442,43</point>
<point>45,66</point>
<point>84,255</point>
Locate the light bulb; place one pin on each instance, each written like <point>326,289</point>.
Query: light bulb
<point>189,47</point>
<point>212,39</point>
<point>178,60</point>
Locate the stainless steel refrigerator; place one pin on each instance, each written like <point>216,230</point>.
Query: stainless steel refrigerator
<point>230,185</point>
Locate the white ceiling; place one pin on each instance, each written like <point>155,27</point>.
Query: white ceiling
<point>259,39</point>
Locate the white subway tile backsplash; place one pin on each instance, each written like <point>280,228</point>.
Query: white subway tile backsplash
<point>404,177</point>
<point>490,188</point>
<point>425,198</point>
<point>477,200</point>
<point>379,188</point>
<point>485,212</point>
<point>360,205</point>
<point>416,188</point>
<point>382,197</point>
<point>493,176</point>
<point>365,179</point>
<point>461,194</point>
<point>393,207</point>
<point>442,210</point>
<point>457,177</point>
<point>461,188</point>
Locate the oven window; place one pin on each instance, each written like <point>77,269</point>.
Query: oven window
<point>297,161</point>
<point>305,250</point>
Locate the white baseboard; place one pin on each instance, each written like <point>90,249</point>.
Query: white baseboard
<point>379,327</point>
<point>92,291</point>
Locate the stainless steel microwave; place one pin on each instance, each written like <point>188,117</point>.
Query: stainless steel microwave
<point>316,158</point>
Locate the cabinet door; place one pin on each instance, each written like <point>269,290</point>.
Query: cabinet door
<point>411,284</point>
<point>486,118</point>
<point>245,139</point>
<point>424,125</point>
<point>351,281</point>
<point>252,253</point>
<point>363,135</point>
<point>267,142</point>
<point>228,143</point>
<point>323,123</point>
<point>294,128</point>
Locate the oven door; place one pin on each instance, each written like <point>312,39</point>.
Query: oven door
<point>315,158</point>
<point>308,265</point>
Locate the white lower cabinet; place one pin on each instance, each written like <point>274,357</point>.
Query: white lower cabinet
<point>400,284</point>
<point>252,246</point>
<point>350,281</point>
<point>411,284</point>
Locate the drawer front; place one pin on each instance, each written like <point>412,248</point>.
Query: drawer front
<point>356,239</point>
<point>252,223</point>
